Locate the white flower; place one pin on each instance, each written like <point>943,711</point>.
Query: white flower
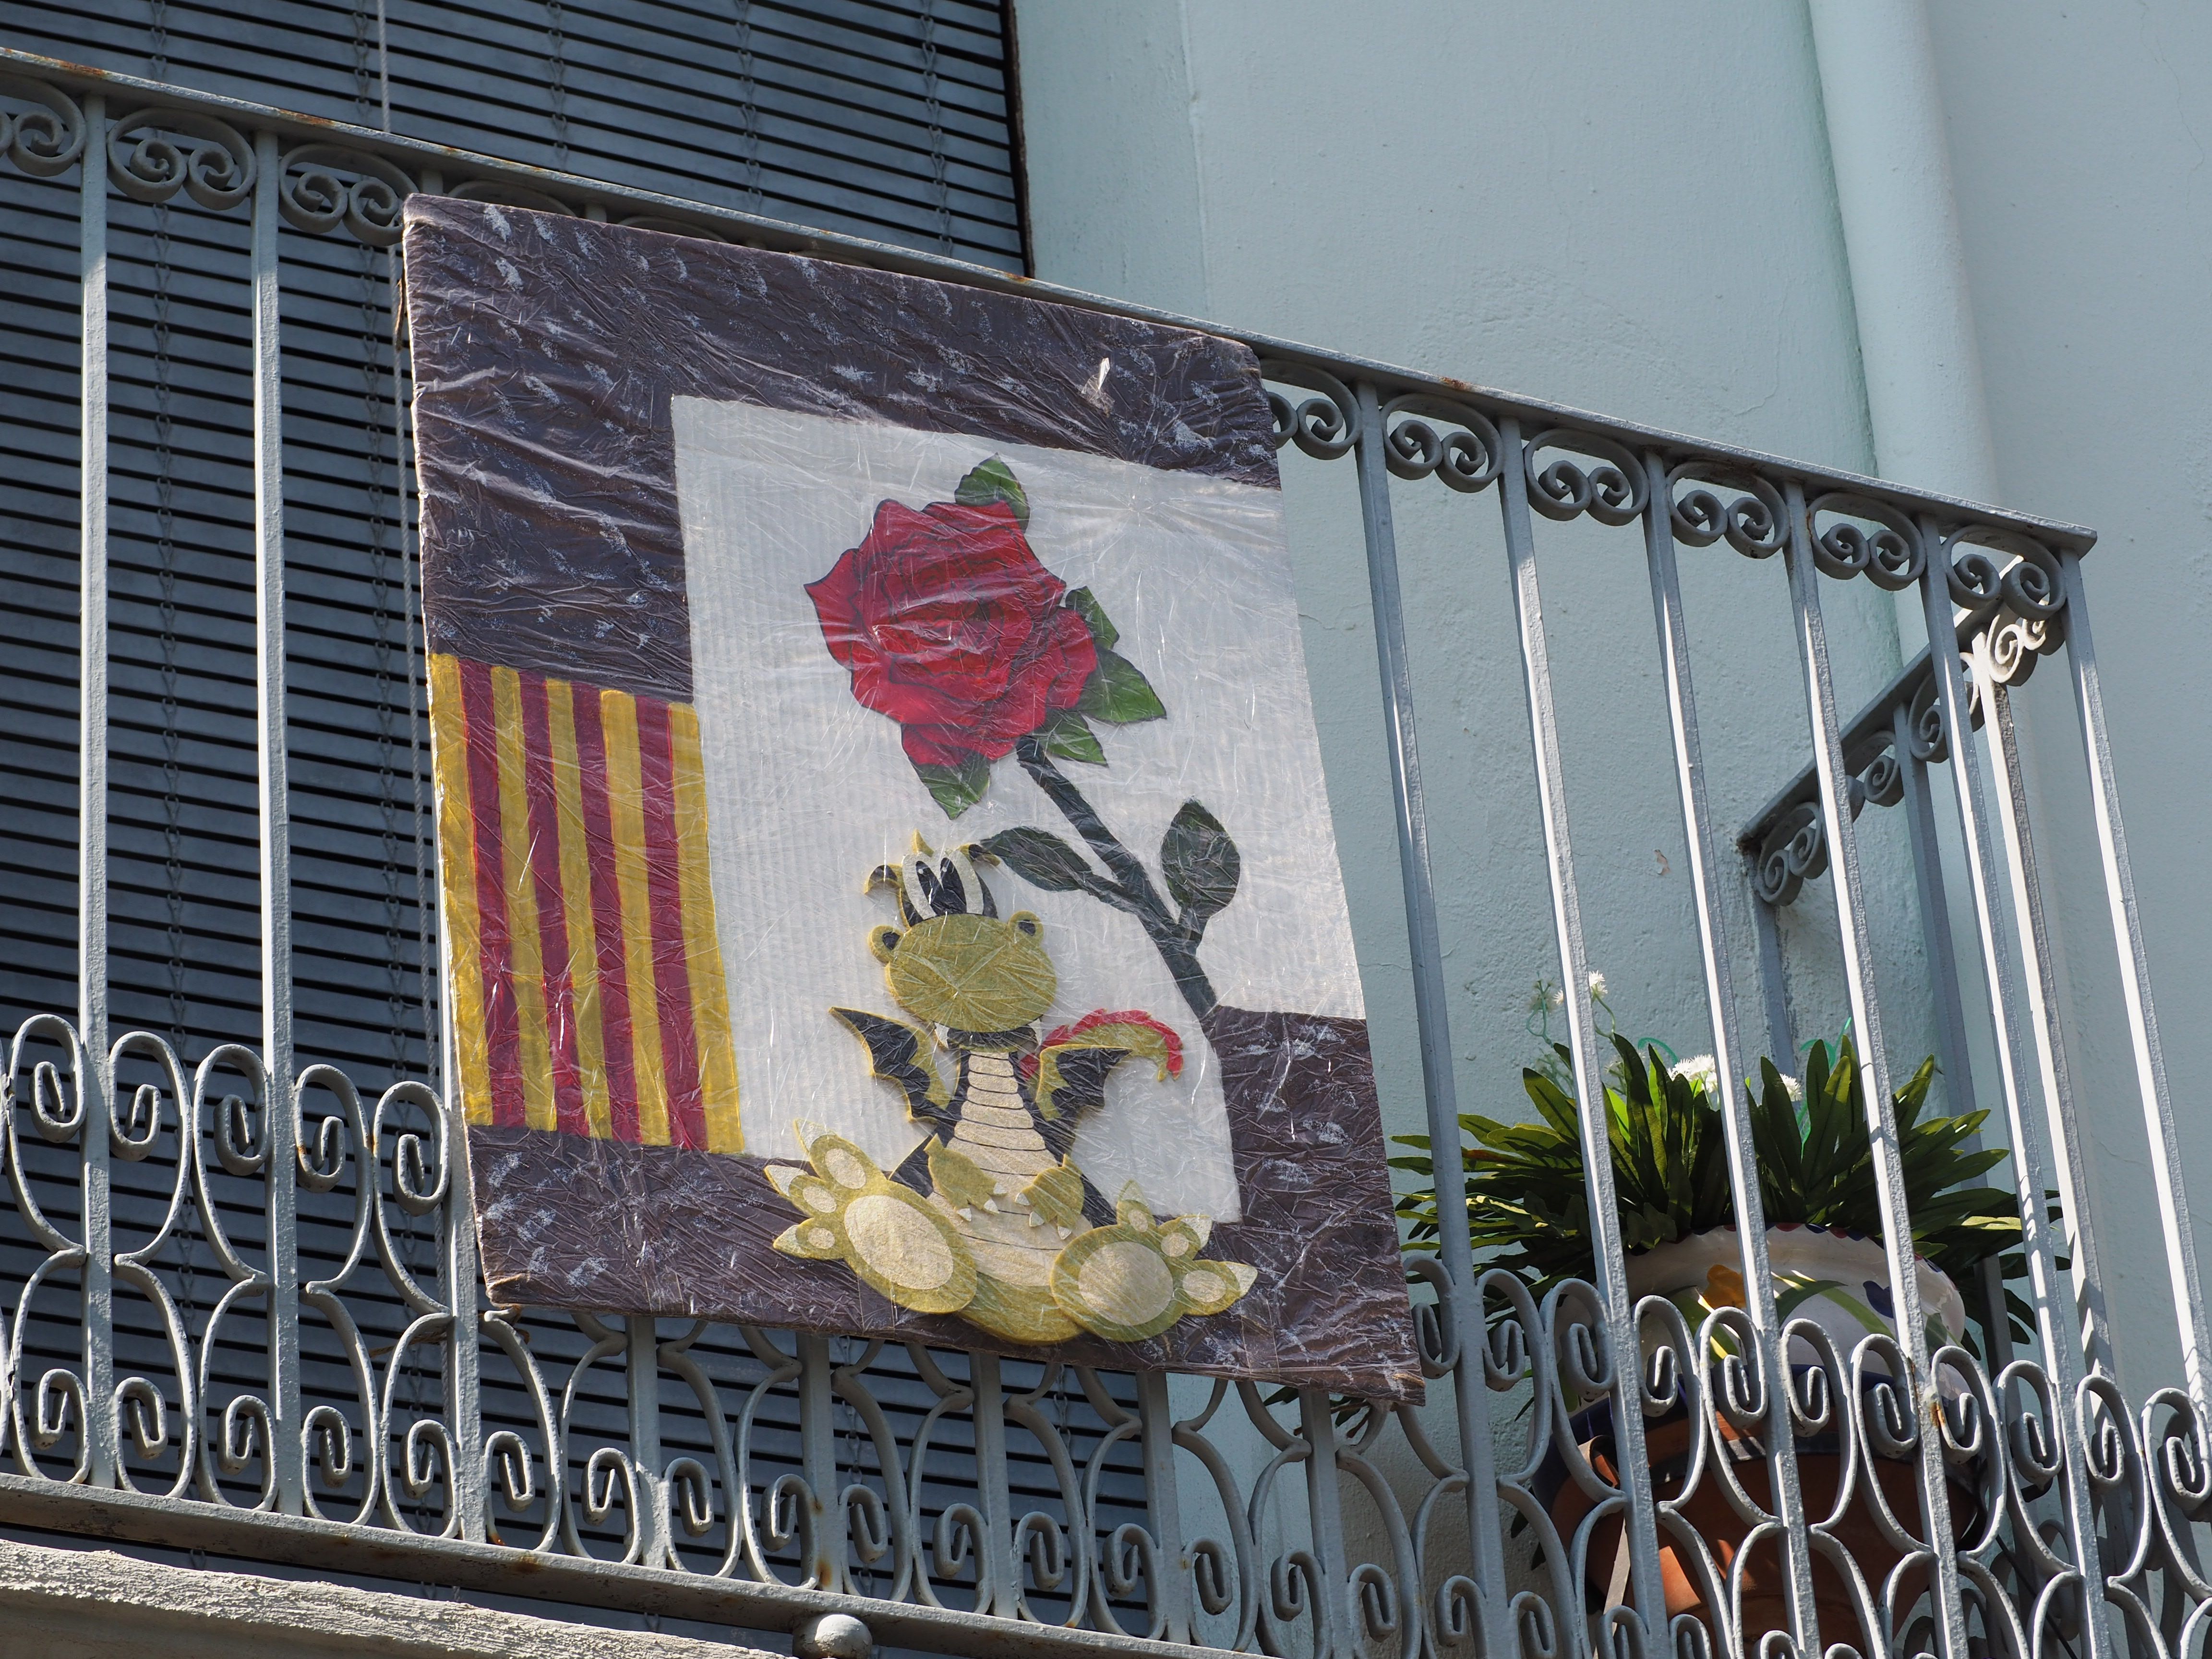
<point>1796,1089</point>
<point>1596,984</point>
<point>1701,1070</point>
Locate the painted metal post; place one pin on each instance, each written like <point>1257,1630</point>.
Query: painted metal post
<point>2039,978</point>
<point>998,1569</point>
<point>642,1373</point>
<point>98,1082</point>
<point>1164,1510</point>
<point>1625,1351</point>
<point>2167,1181</point>
<point>1335,1629</point>
<point>830,1568</point>
<point>1440,1092</point>
<point>2055,1315</point>
<point>1952,1052</point>
<point>280,1112</point>
<point>1728,1055</point>
<point>1857,943</point>
<point>1773,974</point>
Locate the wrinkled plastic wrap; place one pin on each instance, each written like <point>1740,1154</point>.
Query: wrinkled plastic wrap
<point>888,882</point>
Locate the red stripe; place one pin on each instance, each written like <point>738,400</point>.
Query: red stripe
<point>552,916</point>
<point>671,973</point>
<point>606,916</point>
<point>502,1029</point>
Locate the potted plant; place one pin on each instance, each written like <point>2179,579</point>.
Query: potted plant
<point>1528,1211</point>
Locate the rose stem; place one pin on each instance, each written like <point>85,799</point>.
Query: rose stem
<point>1176,939</point>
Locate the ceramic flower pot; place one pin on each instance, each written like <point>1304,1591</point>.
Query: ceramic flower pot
<point>1840,1282</point>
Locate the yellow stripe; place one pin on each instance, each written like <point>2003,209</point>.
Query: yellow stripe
<point>576,899</point>
<point>527,975</point>
<point>702,951</point>
<point>457,881</point>
<point>626,800</point>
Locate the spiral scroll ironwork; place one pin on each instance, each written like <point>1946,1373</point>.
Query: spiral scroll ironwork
<point>1338,1537</point>
<point>1755,522</point>
<point>1324,426</point>
<point>46,140</point>
<point>327,187</point>
<point>156,153</point>
<point>1608,483</point>
<point>1437,437</point>
<point>1857,536</point>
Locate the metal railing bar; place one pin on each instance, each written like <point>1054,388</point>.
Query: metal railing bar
<point>1773,976</point>
<point>1388,378</point>
<point>641,1396</point>
<point>2039,979</point>
<point>1759,1305</point>
<point>1432,1008</point>
<point>1951,1050</point>
<point>1177,1611</point>
<point>1611,1273</point>
<point>127,1516</point>
<point>1954,1057</point>
<point>280,1110</point>
<point>1857,943</point>
<point>2057,1316</point>
<point>95,1077</point>
<point>2190,1314</point>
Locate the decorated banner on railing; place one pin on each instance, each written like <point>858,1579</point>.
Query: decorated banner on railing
<point>888,884</point>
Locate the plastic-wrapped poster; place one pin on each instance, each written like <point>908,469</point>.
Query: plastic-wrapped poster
<point>887,881</point>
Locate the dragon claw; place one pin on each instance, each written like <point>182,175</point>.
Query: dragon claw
<point>888,1234</point>
<point>1131,1280</point>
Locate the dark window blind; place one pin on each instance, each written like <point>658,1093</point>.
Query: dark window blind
<point>887,118</point>
<point>882,117</point>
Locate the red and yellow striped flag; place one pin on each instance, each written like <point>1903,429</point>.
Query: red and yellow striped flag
<point>586,976</point>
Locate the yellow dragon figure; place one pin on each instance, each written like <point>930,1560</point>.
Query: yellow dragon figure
<point>989,1218</point>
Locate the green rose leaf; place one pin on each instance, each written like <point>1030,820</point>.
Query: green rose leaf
<point>1084,605</point>
<point>1039,858</point>
<point>1200,862</point>
<point>1118,693</point>
<point>1068,735</point>
<point>955,788</point>
<point>994,481</point>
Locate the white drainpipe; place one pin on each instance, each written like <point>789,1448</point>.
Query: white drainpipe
<point>1915,320</point>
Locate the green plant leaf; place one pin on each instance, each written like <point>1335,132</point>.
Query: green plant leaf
<point>1039,858</point>
<point>1118,693</point>
<point>955,788</point>
<point>1068,735</point>
<point>1201,863</point>
<point>1086,605</point>
<point>994,481</point>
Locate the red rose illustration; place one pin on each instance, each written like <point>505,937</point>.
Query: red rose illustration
<point>951,627</point>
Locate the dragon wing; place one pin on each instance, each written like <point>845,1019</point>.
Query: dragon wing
<point>1070,1084</point>
<point>901,1054</point>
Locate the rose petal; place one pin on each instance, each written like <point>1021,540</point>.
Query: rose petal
<point>949,623</point>
<point>946,745</point>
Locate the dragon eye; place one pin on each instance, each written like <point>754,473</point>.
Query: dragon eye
<point>1027,924</point>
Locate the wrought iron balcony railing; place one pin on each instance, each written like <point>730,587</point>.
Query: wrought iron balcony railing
<point>243,1312</point>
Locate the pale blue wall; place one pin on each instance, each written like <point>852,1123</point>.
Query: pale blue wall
<point>2081,146</point>
<point>1620,207</point>
<point>1632,207</point>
